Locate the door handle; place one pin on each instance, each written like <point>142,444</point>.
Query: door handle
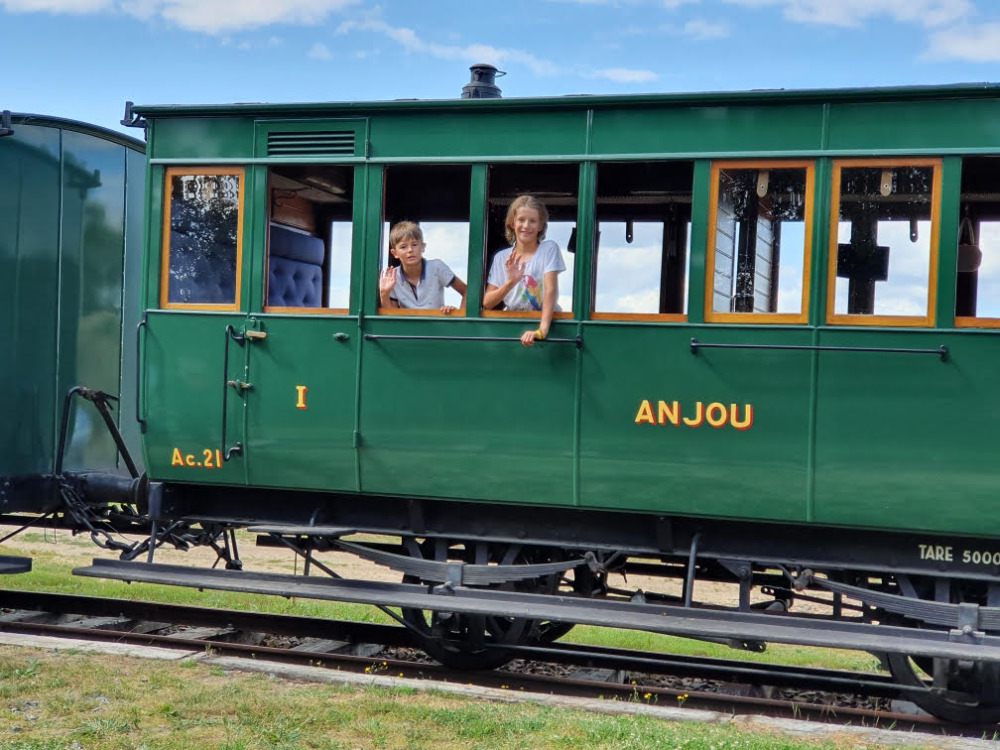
<point>237,449</point>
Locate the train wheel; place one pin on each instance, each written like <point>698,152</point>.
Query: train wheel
<point>463,641</point>
<point>963,692</point>
<point>971,694</point>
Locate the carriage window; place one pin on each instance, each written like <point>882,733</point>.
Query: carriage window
<point>436,199</point>
<point>759,246</point>
<point>977,286</point>
<point>642,240</point>
<point>202,219</point>
<point>883,248</point>
<point>555,185</point>
<point>310,236</point>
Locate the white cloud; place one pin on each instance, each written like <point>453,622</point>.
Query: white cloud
<point>625,75</point>
<point>671,4</point>
<point>213,16</point>
<point>972,44</point>
<point>320,51</point>
<point>854,12</point>
<point>411,42</point>
<point>55,6</point>
<point>699,28</point>
<point>208,16</point>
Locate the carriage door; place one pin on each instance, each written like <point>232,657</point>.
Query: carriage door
<point>302,349</point>
<point>189,341</point>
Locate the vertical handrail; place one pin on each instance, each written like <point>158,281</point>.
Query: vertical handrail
<point>237,449</point>
<point>138,373</point>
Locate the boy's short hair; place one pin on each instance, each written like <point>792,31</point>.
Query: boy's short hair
<point>405,230</point>
<point>525,201</point>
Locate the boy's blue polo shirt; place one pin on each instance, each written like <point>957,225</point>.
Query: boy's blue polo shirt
<point>435,276</point>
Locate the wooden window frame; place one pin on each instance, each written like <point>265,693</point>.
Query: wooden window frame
<point>911,321</point>
<point>640,317</point>
<point>169,172</point>
<point>425,311</point>
<point>561,315</point>
<point>802,316</point>
<point>971,321</point>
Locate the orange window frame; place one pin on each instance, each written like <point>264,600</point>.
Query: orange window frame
<point>971,321</point>
<point>640,317</point>
<point>165,238</point>
<point>831,280</point>
<point>802,316</point>
<point>419,311</point>
<point>561,315</point>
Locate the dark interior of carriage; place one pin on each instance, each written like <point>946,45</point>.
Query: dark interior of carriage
<point>979,230</point>
<point>423,194</point>
<point>310,213</point>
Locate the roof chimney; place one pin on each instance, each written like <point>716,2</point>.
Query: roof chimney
<point>482,85</point>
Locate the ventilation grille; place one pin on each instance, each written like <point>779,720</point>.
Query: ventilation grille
<point>311,143</point>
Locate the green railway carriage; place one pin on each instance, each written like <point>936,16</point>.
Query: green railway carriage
<point>803,427</point>
<point>773,364</point>
<point>70,239</point>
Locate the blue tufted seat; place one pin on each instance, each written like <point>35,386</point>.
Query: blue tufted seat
<point>294,269</point>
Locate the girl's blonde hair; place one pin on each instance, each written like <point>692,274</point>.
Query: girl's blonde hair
<point>405,230</point>
<point>526,201</point>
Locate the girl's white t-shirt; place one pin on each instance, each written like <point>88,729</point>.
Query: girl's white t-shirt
<point>528,293</point>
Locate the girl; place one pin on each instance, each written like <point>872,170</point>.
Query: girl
<point>525,276</point>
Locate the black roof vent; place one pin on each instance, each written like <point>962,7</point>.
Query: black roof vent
<point>482,85</point>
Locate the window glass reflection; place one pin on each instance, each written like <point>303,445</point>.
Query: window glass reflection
<point>204,229</point>
<point>760,242</point>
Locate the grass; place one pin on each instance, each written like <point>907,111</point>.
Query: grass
<point>78,701</point>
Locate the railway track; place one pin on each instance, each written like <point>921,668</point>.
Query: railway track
<point>835,697</point>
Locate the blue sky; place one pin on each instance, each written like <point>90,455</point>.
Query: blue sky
<point>83,58</point>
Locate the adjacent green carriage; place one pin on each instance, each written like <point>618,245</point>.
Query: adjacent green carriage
<point>70,259</point>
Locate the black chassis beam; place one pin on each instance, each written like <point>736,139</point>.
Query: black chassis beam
<point>29,493</point>
<point>674,620</point>
<point>763,543</point>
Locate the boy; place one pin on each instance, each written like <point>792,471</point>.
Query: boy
<point>416,282</point>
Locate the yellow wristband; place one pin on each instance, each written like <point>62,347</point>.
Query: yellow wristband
<point>539,334</point>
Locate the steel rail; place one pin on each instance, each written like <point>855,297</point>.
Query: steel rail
<point>638,666</point>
